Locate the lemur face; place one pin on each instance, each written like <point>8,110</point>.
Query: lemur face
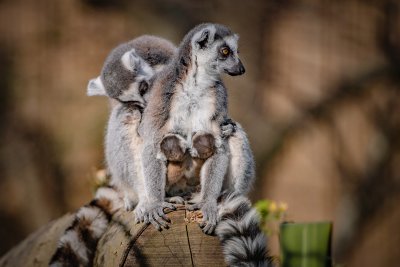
<point>142,74</point>
<point>218,51</point>
<point>132,80</point>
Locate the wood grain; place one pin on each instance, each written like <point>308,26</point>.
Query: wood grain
<point>126,244</point>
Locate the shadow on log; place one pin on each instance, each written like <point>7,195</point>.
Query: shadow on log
<point>127,244</point>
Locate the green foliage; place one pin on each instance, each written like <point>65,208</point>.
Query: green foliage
<point>271,214</point>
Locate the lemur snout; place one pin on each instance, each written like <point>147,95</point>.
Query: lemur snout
<point>238,69</point>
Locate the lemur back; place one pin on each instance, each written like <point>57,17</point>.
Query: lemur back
<point>129,67</point>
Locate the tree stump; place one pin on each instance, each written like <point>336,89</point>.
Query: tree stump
<point>128,244</point>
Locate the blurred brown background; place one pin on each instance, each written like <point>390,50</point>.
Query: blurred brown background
<point>319,100</point>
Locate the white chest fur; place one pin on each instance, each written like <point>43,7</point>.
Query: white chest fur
<point>192,107</point>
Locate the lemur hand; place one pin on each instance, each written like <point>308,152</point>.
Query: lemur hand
<point>153,212</point>
<point>210,215</point>
<point>228,128</point>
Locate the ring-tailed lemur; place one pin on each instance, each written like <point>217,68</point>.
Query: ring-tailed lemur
<point>189,101</point>
<point>125,77</point>
<point>91,220</point>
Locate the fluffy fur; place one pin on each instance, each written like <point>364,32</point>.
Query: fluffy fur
<point>233,166</point>
<point>188,98</point>
<point>243,242</point>
<point>77,245</point>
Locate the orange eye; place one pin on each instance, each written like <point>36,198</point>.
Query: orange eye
<point>225,51</point>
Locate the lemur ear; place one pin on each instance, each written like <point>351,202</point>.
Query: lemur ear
<point>96,87</point>
<point>203,38</point>
<point>134,61</point>
<point>131,60</point>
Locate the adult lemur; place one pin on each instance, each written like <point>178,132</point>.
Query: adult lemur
<point>238,220</point>
<point>188,103</point>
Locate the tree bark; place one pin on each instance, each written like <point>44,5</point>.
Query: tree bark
<point>128,244</point>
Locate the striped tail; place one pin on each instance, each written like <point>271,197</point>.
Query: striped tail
<point>77,246</point>
<point>243,242</point>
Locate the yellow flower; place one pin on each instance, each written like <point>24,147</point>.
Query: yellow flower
<point>273,207</point>
<point>283,207</point>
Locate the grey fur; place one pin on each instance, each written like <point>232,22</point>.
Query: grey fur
<point>243,242</point>
<point>229,170</point>
<point>121,147</point>
<point>144,55</point>
<point>122,142</point>
<point>77,246</point>
<point>187,87</point>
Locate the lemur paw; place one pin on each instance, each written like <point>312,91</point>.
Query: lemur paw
<point>210,216</point>
<point>153,213</point>
<point>175,200</point>
<point>228,128</point>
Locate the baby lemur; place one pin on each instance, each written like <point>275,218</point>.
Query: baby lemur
<point>186,106</point>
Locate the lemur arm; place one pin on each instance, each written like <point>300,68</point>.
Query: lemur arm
<point>154,171</point>
<point>151,209</point>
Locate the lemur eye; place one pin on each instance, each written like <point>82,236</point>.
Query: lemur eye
<point>225,51</point>
<point>143,87</point>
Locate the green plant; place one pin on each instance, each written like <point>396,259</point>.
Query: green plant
<point>271,214</point>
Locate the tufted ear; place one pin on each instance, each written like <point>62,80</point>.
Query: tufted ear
<point>96,87</point>
<point>134,61</point>
<point>131,60</point>
<point>203,38</point>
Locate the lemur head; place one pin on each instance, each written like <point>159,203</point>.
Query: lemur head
<point>125,79</point>
<point>216,47</point>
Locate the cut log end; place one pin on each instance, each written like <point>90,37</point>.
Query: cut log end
<point>128,244</point>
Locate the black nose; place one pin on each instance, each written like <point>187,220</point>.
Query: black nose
<point>238,69</point>
<point>242,69</point>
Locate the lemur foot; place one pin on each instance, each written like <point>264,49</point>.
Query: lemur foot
<point>153,213</point>
<point>203,145</point>
<point>210,215</point>
<point>175,200</point>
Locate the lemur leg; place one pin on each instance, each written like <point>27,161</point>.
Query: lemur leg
<point>212,177</point>
<point>241,171</point>
<point>151,210</point>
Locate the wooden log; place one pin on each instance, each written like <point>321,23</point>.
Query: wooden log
<point>37,249</point>
<point>128,244</point>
